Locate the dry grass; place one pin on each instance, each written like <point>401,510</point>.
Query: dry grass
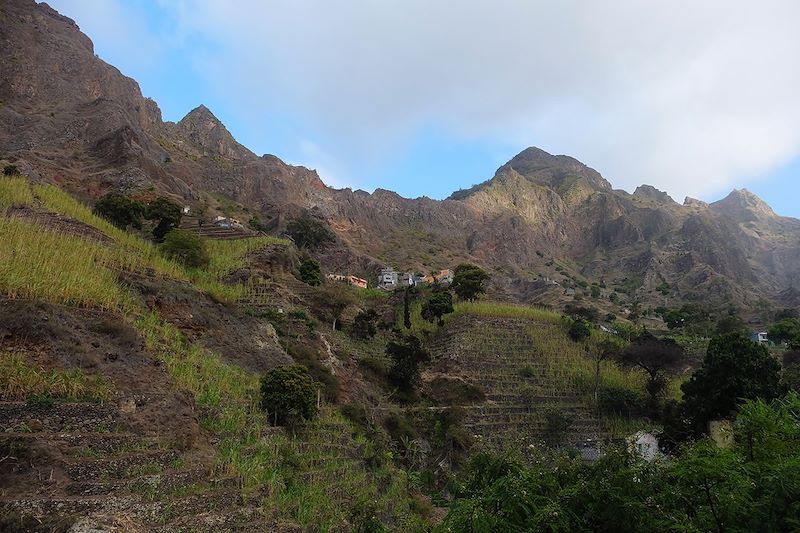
<point>14,192</point>
<point>19,381</point>
<point>506,310</point>
<point>38,263</point>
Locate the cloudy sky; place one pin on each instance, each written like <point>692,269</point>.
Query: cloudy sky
<point>425,97</point>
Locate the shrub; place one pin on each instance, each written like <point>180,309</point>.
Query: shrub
<point>308,232</point>
<point>439,304</point>
<point>619,401</point>
<point>119,210</point>
<point>185,247</point>
<point>10,170</point>
<point>166,212</point>
<point>309,272</point>
<point>364,326</point>
<point>579,312</point>
<point>527,372</point>
<point>469,281</point>
<point>289,394</point>
<point>580,330</point>
<point>406,355</point>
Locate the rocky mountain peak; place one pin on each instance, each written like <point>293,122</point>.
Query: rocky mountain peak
<point>203,129</point>
<point>651,193</point>
<point>694,202</point>
<point>743,206</point>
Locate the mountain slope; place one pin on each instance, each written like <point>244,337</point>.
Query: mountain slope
<point>69,118</point>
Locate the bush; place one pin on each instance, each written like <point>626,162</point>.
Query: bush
<point>557,421</point>
<point>186,248</point>
<point>527,372</point>
<point>307,232</point>
<point>619,401</point>
<point>120,210</point>
<point>289,394</point>
<point>439,304</point>
<point>10,170</point>
<point>580,312</point>
<point>406,356</point>
<point>309,272</point>
<point>469,281</point>
<point>580,330</point>
<point>364,326</point>
<point>166,212</point>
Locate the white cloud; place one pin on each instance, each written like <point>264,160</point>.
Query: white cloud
<point>692,97</point>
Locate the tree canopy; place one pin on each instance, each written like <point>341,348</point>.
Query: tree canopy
<point>309,232</point>
<point>186,247</point>
<point>120,210</point>
<point>787,331</point>
<point>655,357</point>
<point>288,394</point>
<point>735,369</point>
<point>439,304</point>
<point>167,214</point>
<point>469,281</point>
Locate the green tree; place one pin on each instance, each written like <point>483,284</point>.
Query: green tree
<point>579,330</point>
<point>308,232</point>
<point>364,325</point>
<point>656,357</point>
<point>734,369</point>
<point>731,324</point>
<point>309,272</point>
<point>785,331</point>
<point>407,308</point>
<point>167,214</point>
<point>120,210</point>
<point>289,394</point>
<point>406,355</point>
<point>439,304</point>
<point>469,281</point>
<point>186,247</point>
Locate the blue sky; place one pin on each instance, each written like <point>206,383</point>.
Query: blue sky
<point>424,99</point>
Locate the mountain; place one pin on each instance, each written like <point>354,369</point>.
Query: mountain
<point>70,118</point>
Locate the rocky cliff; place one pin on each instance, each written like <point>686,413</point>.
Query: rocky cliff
<point>68,117</point>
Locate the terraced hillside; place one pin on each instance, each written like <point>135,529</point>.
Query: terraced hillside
<point>538,383</point>
<point>130,388</point>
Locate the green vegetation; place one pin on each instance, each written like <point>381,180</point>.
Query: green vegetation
<point>308,232</point>
<point>735,369</point>
<point>303,476</point>
<point>705,488</point>
<point>786,331</point>
<point>20,380</point>
<point>406,354</point>
<point>309,272</point>
<point>167,215</point>
<point>185,247</point>
<point>14,192</point>
<point>469,281</point>
<point>579,330</point>
<point>10,170</point>
<point>439,304</point>
<point>289,395</point>
<point>41,262</point>
<point>120,210</point>
<point>364,325</point>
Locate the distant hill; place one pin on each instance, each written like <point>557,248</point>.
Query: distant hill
<point>69,118</point>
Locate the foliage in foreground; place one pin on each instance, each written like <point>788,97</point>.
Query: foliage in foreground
<point>753,486</point>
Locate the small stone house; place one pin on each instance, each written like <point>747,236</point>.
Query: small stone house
<point>388,278</point>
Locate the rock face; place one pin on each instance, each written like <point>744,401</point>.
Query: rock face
<point>69,118</point>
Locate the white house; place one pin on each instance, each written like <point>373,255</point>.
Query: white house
<point>760,337</point>
<point>645,444</point>
<point>388,278</point>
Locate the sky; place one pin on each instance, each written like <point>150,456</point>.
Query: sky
<point>426,97</point>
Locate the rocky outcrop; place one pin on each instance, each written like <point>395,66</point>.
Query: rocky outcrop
<point>68,117</point>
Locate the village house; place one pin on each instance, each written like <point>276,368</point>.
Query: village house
<point>361,283</point>
<point>388,278</point>
<point>227,222</point>
<point>760,337</point>
<point>406,279</point>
